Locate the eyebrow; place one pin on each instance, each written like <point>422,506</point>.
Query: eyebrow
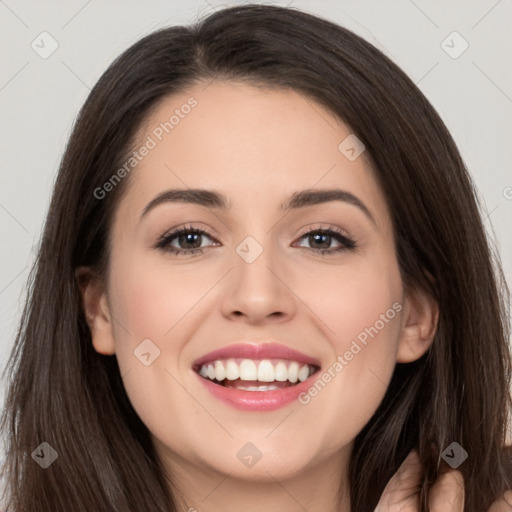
<point>300,199</point>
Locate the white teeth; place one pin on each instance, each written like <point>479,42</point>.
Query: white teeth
<point>266,371</point>
<point>293,372</point>
<point>281,373</point>
<point>220,373</point>
<point>270,387</point>
<point>303,373</point>
<point>248,370</point>
<point>232,370</point>
<point>262,371</point>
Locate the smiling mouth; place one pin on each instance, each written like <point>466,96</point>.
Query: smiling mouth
<point>256,375</point>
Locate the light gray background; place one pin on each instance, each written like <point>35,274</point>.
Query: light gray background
<point>39,98</point>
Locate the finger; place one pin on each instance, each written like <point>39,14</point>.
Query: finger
<point>504,504</point>
<point>402,489</point>
<point>447,494</point>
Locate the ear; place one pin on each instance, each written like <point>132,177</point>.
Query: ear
<point>96,310</point>
<point>421,313</point>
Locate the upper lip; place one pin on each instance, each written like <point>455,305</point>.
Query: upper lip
<point>257,351</point>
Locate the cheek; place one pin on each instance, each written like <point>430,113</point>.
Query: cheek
<point>148,304</point>
<point>360,309</point>
<point>152,303</point>
<point>152,298</point>
<point>354,299</point>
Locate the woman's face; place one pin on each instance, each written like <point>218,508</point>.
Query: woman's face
<point>257,286</point>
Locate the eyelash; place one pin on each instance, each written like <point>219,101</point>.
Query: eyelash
<point>164,242</point>
<point>332,231</point>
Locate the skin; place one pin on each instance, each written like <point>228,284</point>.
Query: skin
<point>256,146</point>
<point>446,495</point>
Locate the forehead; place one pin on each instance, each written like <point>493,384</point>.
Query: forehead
<point>255,144</point>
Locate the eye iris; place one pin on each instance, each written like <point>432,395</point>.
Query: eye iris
<point>190,238</point>
<point>319,239</point>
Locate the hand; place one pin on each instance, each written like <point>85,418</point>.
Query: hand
<point>447,494</point>
<point>504,504</point>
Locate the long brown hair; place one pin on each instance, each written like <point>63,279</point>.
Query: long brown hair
<point>66,394</point>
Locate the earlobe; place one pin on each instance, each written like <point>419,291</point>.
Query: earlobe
<point>421,313</point>
<point>96,311</point>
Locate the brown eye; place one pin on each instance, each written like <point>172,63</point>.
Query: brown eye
<point>327,241</point>
<point>185,240</point>
<point>189,241</point>
<point>320,241</point>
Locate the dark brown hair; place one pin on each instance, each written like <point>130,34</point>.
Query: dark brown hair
<point>65,393</point>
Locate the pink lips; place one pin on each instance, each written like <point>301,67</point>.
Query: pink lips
<point>253,351</point>
<point>256,400</point>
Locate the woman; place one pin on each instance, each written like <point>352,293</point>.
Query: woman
<point>263,281</point>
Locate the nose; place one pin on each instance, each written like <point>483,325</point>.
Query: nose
<point>259,291</point>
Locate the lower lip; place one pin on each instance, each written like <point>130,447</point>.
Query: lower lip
<point>256,400</point>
